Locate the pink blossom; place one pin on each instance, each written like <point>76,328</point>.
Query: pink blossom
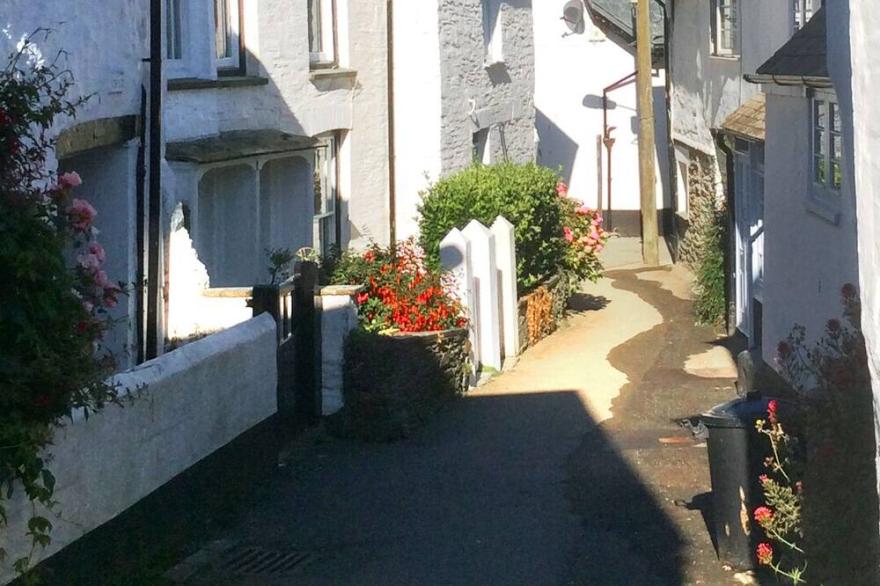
<point>90,262</point>
<point>96,249</point>
<point>569,236</point>
<point>102,281</point>
<point>81,214</point>
<point>71,179</point>
<point>583,211</point>
<point>561,189</point>
<point>600,248</point>
<point>595,235</point>
<point>88,306</point>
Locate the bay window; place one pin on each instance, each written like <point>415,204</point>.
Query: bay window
<point>827,145</point>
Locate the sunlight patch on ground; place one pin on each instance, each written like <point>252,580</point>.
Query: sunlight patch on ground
<point>716,362</point>
<point>575,358</point>
<point>677,280</point>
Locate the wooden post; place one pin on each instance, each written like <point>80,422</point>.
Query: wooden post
<point>307,347</point>
<point>647,172</point>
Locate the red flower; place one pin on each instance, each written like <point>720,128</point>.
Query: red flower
<point>771,411</point>
<point>362,298</point>
<point>763,515</point>
<point>764,478</point>
<point>765,554</point>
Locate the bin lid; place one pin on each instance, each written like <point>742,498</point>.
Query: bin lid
<point>738,413</point>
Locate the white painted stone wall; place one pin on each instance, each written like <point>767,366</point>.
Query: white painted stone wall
<point>196,400</point>
<point>339,316</point>
<point>708,88</point>
<point>444,93</point>
<point>570,72</point>
<point>852,62</point>
<point>807,258</point>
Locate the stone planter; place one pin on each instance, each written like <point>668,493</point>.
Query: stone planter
<point>541,311</point>
<point>392,384</point>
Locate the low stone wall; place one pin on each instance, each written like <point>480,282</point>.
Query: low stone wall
<point>541,311</point>
<point>184,406</point>
<point>394,383</point>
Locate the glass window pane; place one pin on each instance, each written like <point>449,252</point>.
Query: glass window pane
<point>819,118</point>
<point>835,175</point>
<point>819,164</point>
<point>835,116</point>
<point>316,44</point>
<point>819,147</point>
<point>172,29</point>
<point>221,29</point>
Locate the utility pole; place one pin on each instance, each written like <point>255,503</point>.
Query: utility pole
<point>647,172</point>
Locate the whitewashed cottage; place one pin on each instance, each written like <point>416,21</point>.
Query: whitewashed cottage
<point>463,91</point>
<point>586,110</point>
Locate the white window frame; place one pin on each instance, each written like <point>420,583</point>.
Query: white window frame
<point>327,176</point>
<point>802,12</point>
<point>322,33</point>
<point>231,63</point>
<point>826,168</point>
<point>718,28</point>
<point>493,32</point>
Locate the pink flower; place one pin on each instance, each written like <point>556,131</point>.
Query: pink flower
<point>90,262</point>
<point>595,235</point>
<point>96,249</point>
<point>88,306</point>
<point>583,211</point>
<point>764,478</point>
<point>561,189</point>
<point>765,554</point>
<point>599,248</point>
<point>763,515</point>
<point>81,214</point>
<point>71,179</point>
<point>567,233</point>
<point>102,281</point>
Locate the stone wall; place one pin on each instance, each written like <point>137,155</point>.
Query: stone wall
<point>702,204</point>
<point>394,383</point>
<point>542,310</point>
<point>184,406</point>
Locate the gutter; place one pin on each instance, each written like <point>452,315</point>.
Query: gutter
<point>789,80</point>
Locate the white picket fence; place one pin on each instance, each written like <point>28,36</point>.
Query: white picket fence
<point>482,265</point>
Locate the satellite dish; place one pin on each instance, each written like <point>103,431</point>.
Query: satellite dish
<point>573,15</point>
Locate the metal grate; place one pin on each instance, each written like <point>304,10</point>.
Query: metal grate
<point>256,561</point>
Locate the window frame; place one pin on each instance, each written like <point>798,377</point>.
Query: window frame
<point>323,57</point>
<point>717,28</point>
<point>234,63</point>
<point>802,12</point>
<point>830,183</point>
<point>493,32</point>
<point>328,179</point>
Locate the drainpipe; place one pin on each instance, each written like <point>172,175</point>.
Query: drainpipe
<point>155,195</point>
<point>140,206</point>
<point>608,141</point>
<point>672,230</point>
<point>392,165</point>
<point>729,265</point>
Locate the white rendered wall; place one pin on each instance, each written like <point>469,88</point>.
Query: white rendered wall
<point>570,73</point>
<point>806,258</point>
<point>852,63</point>
<point>196,400</point>
<point>417,107</point>
<point>708,88</point>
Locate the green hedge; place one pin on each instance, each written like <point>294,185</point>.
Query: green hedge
<point>524,194</point>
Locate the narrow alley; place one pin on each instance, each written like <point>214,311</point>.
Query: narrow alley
<point>568,468</point>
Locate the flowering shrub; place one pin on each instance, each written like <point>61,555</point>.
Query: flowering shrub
<point>583,233</point>
<point>401,294</point>
<point>53,292</point>
<point>837,498</point>
<point>783,492</point>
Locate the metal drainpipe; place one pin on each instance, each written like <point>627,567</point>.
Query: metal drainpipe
<point>729,265</point>
<point>672,232</point>
<point>392,165</point>
<point>609,141</point>
<point>155,196</point>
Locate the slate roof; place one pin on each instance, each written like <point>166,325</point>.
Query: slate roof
<point>804,55</point>
<point>748,121</point>
<point>237,144</point>
<point>617,14</point>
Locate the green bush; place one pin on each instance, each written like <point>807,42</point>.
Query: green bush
<point>524,194</point>
<point>711,302</point>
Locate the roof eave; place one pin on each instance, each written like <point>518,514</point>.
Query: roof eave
<point>802,80</point>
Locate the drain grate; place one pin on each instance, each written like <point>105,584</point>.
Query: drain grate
<point>256,561</point>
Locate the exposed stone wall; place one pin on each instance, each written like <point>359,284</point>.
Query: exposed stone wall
<point>702,203</point>
<point>394,383</point>
<point>499,97</point>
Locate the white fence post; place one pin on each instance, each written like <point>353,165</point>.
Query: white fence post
<point>455,258</point>
<point>482,245</point>
<point>505,257</point>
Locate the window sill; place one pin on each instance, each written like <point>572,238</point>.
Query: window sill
<point>317,74</point>
<point>717,57</point>
<point>194,83</point>
<point>824,207</point>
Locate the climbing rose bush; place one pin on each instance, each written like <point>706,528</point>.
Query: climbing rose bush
<point>54,293</point>
<point>401,294</point>
<point>582,230</point>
